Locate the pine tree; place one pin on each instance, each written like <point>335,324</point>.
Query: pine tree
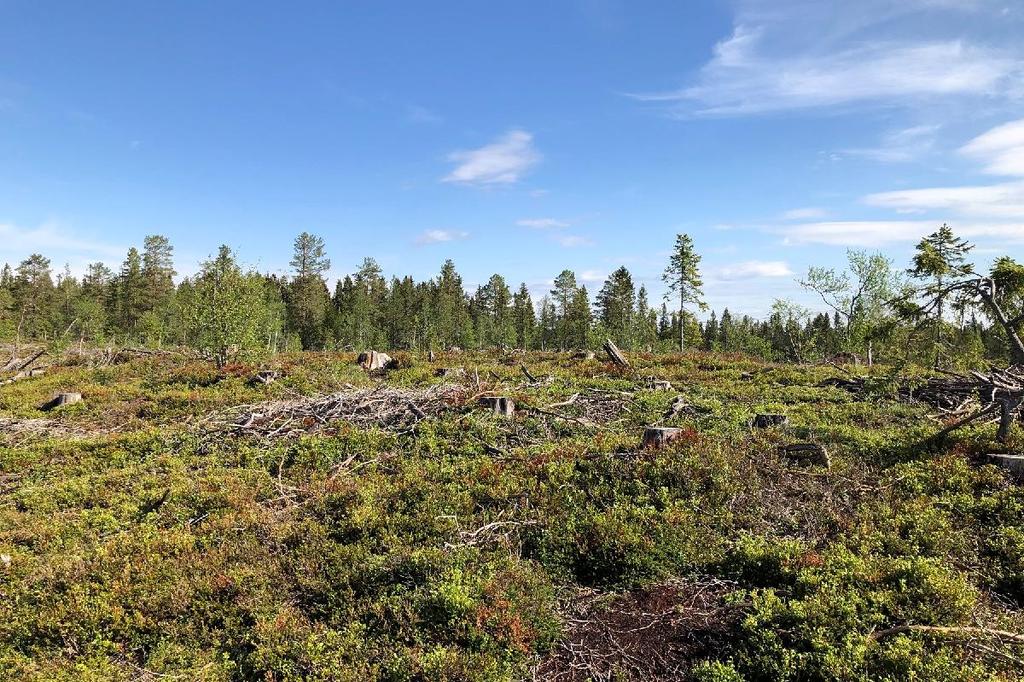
<point>308,298</point>
<point>683,278</point>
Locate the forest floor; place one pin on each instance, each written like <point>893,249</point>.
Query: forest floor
<point>186,523</point>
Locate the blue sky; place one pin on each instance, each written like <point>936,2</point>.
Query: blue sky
<point>519,137</point>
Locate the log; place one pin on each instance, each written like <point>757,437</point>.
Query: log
<point>806,453</point>
<point>614,354</point>
<point>660,436</point>
<point>658,384</point>
<point>765,421</point>
<point>62,399</point>
<point>449,372</point>
<point>371,360</point>
<point>500,405</point>
<point>582,355</point>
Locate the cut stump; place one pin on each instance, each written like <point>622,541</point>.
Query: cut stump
<point>660,436</point>
<point>62,399</point>
<point>1012,463</point>
<point>765,421</point>
<point>371,360</point>
<point>806,453</point>
<point>501,405</point>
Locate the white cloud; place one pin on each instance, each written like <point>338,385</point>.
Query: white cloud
<point>1005,200</point>
<point>570,241</point>
<point>1000,149</point>
<point>502,162</point>
<point>542,223</point>
<point>592,276</point>
<point>752,269</point>
<point>439,236</point>
<point>807,213</point>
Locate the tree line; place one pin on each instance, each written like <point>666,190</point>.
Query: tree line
<point>939,310</point>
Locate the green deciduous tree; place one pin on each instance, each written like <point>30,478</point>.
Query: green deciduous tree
<point>225,311</point>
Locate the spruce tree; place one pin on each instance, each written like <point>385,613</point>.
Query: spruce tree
<point>683,279</point>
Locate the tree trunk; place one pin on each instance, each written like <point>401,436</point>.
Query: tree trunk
<point>1016,345</point>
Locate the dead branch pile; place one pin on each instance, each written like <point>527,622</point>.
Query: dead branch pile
<point>949,392</point>
<point>1000,394</point>
<point>394,409</point>
<point>652,634</point>
<point>14,431</point>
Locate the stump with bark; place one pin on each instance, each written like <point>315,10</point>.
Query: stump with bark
<point>660,436</point>
<point>500,405</point>
<point>1012,463</point>
<point>62,399</point>
<point>806,453</point>
<point>765,421</point>
<point>371,360</point>
<point>264,377</point>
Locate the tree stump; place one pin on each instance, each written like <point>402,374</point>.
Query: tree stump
<point>614,354</point>
<point>658,384</point>
<point>371,360</point>
<point>264,377</point>
<point>430,356</point>
<point>676,407</point>
<point>806,453</point>
<point>62,399</point>
<point>501,405</point>
<point>659,436</point>
<point>765,421</point>
<point>1012,463</point>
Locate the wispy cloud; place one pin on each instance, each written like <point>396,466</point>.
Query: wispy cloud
<point>906,144</point>
<point>415,113</point>
<point>571,241</point>
<point>440,236</point>
<point>880,233</point>
<point>502,162</point>
<point>861,233</point>
<point>784,56</point>
<point>17,242</point>
<point>1000,149</point>
<point>753,269</point>
<point>542,223</point>
<point>1004,200</point>
<point>806,213</point>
